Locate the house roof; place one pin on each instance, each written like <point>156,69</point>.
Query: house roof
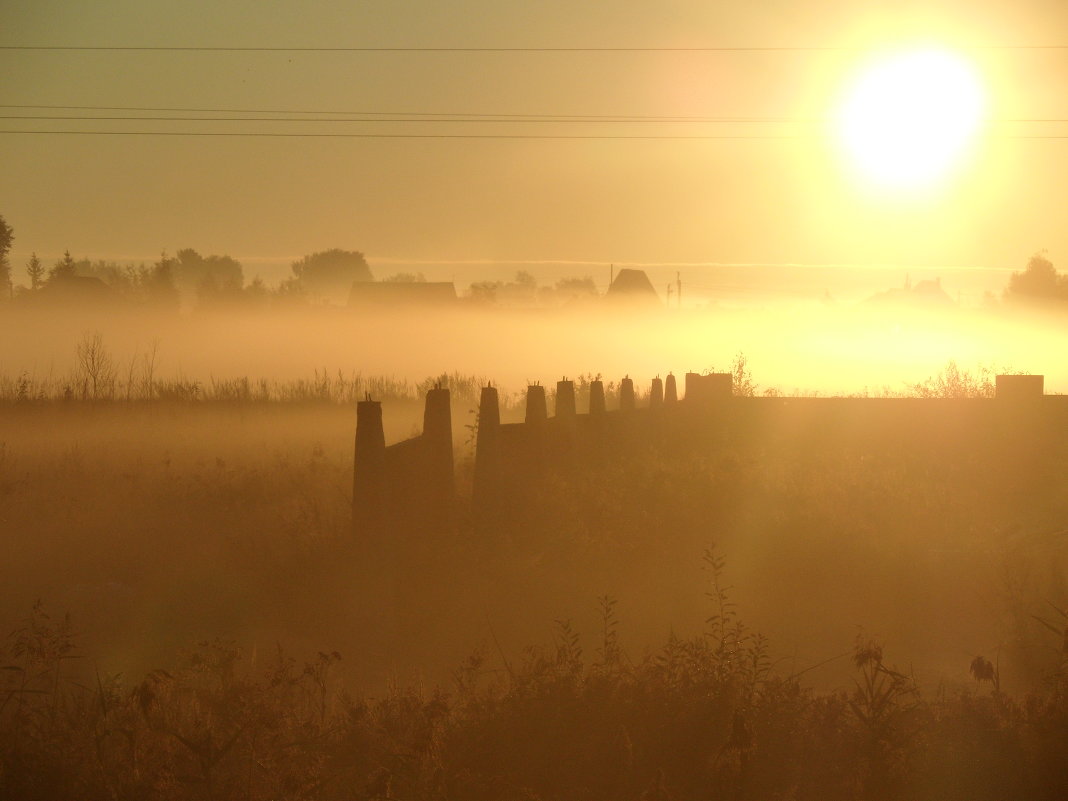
<point>924,293</point>
<point>633,285</point>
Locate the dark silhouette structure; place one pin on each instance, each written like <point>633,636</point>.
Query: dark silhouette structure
<point>410,485</point>
<point>633,287</point>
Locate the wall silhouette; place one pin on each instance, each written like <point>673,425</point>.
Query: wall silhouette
<point>410,485</point>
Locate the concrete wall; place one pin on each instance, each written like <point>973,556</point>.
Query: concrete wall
<point>411,484</point>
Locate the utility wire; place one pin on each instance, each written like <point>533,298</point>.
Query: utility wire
<point>428,119</point>
<point>744,49</point>
<point>460,136</point>
<point>382,113</point>
<point>403,136</point>
<point>418,116</point>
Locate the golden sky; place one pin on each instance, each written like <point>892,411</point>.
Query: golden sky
<point>756,199</point>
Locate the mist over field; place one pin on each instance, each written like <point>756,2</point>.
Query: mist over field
<point>731,508</point>
<point>806,347</point>
<point>533,402</point>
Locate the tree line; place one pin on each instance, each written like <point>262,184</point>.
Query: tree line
<point>186,278</point>
<point>190,279</point>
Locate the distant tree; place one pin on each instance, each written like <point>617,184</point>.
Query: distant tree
<point>288,293</point>
<point>7,236</point>
<point>330,274</point>
<point>213,279</point>
<point>256,293</point>
<point>525,280</point>
<point>406,278</point>
<point>123,279</point>
<point>1039,282</point>
<point>35,270</point>
<point>64,268</point>
<point>522,291</point>
<point>568,290</point>
<point>158,284</point>
<point>484,291</point>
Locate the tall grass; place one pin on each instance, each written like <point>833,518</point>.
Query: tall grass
<point>700,717</point>
<point>323,387</point>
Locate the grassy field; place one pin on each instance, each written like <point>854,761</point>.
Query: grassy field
<point>203,549</point>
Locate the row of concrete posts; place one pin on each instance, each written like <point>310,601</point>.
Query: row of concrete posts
<point>411,484</point>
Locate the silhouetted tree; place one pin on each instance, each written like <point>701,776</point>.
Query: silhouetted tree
<point>567,290</point>
<point>256,293</point>
<point>288,293</point>
<point>64,268</point>
<point>484,291</point>
<point>157,284</point>
<point>331,273</point>
<point>7,236</point>
<point>520,292</point>
<point>212,278</point>
<point>406,278</point>
<point>1039,282</point>
<point>36,271</point>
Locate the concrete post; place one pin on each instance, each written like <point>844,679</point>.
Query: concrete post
<point>368,476</point>
<point>487,448</point>
<point>626,395</point>
<point>692,381</point>
<point>437,439</point>
<point>671,394</point>
<point>565,398</point>
<point>536,412</point>
<point>597,397</point>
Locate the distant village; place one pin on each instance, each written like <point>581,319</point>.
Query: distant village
<point>334,278</point>
<point>342,279</point>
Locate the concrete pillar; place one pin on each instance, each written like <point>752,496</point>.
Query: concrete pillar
<point>368,477</point>
<point>692,383</point>
<point>565,398</point>
<point>597,397</point>
<point>536,412</point>
<point>626,395</point>
<point>656,394</point>
<point>437,439</point>
<point>487,447</point>
<point>671,394</point>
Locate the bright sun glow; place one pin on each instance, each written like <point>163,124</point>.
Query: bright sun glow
<point>910,118</point>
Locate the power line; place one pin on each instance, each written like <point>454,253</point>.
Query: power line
<point>486,119</point>
<point>295,135</point>
<point>741,49</point>
<point>420,116</point>
<point>380,113</point>
<point>403,136</point>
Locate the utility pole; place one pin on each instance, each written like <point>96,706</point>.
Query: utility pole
<point>678,288</point>
<point>611,274</point>
<point>669,288</point>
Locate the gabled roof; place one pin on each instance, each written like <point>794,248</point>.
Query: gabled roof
<point>924,293</point>
<point>633,285</point>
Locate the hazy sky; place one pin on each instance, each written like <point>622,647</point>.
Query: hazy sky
<point>623,200</point>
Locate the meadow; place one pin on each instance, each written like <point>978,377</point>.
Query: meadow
<point>773,621</point>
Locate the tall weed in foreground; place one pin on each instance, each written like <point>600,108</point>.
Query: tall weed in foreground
<point>697,718</point>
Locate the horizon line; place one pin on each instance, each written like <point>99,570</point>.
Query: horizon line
<point>488,262</point>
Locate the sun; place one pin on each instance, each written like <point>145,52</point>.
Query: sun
<point>909,119</point>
